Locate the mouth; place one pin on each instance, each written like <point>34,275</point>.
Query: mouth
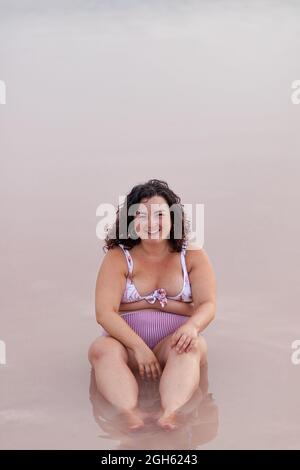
<point>154,231</point>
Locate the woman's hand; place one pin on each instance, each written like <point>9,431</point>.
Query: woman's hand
<point>147,362</point>
<point>184,338</point>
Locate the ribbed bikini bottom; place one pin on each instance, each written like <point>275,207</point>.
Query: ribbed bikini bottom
<point>152,325</point>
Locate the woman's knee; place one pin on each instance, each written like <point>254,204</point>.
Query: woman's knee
<point>106,345</point>
<point>201,345</point>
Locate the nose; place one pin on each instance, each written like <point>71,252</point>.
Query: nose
<point>154,222</point>
<point>153,225</point>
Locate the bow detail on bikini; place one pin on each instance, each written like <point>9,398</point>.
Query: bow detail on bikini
<point>158,294</point>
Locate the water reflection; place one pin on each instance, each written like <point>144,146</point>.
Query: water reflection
<point>199,419</point>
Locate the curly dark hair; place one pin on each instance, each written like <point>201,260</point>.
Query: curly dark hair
<point>153,187</point>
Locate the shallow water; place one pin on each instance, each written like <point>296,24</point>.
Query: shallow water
<point>98,99</point>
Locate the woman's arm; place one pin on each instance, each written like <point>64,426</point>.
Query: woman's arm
<point>203,285</point>
<point>110,284</point>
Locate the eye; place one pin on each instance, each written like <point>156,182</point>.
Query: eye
<point>138,215</point>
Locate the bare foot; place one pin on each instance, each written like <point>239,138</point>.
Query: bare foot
<point>133,419</point>
<point>168,421</point>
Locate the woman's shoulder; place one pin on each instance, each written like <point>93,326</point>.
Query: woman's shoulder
<point>194,249</point>
<point>190,245</point>
<point>114,256</point>
<point>195,254</point>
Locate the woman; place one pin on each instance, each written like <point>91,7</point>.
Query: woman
<point>155,294</point>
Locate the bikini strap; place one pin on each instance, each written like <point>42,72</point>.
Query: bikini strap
<point>184,247</point>
<point>183,262</point>
<point>128,258</point>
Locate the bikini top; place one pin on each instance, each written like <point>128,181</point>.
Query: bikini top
<point>131,293</point>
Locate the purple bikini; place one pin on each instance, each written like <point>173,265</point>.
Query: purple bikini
<point>153,325</point>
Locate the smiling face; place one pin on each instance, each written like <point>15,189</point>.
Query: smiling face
<point>153,219</point>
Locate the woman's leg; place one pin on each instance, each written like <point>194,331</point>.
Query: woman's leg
<point>114,378</point>
<point>180,377</point>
